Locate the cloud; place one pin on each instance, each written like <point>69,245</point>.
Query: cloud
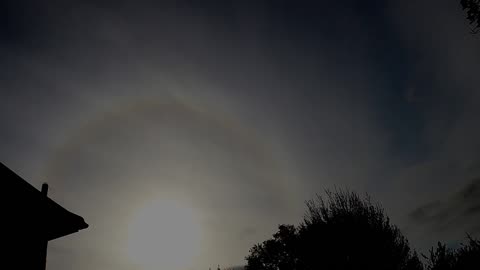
<point>458,214</point>
<point>248,232</point>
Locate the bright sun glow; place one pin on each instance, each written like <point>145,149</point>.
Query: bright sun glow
<point>164,235</point>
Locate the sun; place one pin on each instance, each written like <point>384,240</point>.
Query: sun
<point>164,234</point>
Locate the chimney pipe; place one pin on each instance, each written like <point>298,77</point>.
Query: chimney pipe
<point>45,189</point>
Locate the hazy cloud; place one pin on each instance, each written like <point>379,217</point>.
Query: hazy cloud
<point>456,214</point>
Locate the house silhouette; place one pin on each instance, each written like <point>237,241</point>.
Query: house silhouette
<point>29,219</point>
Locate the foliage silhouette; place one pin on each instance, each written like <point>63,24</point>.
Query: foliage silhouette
<point>281,252</point>
<point>340,231</point>
<point>466,257</point>
<point>472,8</point>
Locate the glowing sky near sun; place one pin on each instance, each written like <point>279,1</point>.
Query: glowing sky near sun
<point>165,232</point>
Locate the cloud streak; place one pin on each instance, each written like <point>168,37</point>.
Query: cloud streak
<point>458,214</point>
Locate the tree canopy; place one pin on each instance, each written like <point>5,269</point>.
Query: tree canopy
<point>464,258</point>
<point>339,231</point>
<point>343,231</point>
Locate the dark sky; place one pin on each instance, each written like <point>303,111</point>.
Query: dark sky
<point>239,111</point>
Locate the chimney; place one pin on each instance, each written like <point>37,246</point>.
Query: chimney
<point>45,189</point>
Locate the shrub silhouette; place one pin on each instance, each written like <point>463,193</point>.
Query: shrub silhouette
<point>472,8</point>
<point>277,253</point>
<point>340,231</point>
<point>466,257</point>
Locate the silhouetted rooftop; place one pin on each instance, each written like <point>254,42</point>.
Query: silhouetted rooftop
<point>28,209</point>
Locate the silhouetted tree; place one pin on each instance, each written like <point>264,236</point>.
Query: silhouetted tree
<point>441,258</point>
<point>342,231</point>
<point>277,253</point>
<point>466,257</point>
<point>472,7</point>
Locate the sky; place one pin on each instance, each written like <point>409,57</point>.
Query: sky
<point>223,117</point>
